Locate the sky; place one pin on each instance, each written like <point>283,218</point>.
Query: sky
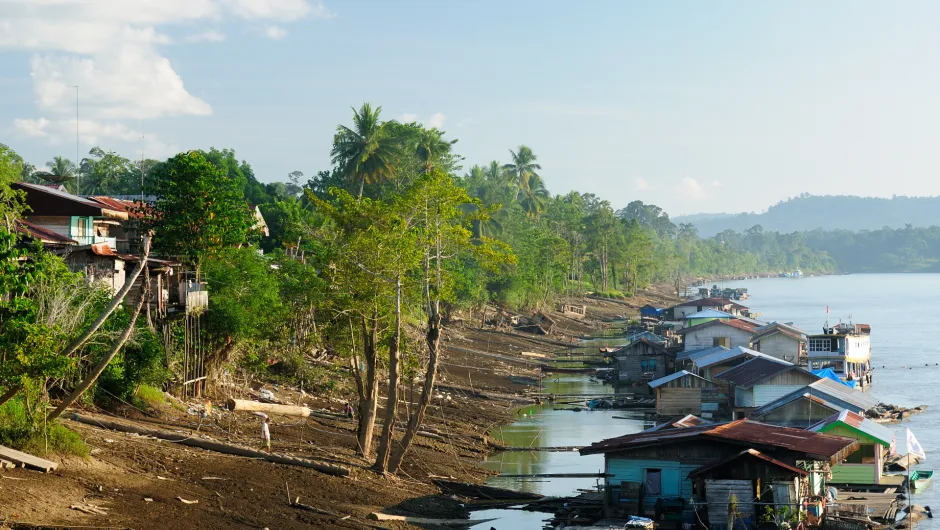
<point>722,106</point>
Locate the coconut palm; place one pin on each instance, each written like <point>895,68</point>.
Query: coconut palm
<point>530,189</point>
<point>434,151</point>
<point>365,152</point>
<point>61,170</point>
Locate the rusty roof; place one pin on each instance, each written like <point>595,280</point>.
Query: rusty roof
<point>814,445</point>
<point>42,234</point>
<point>758,369</point>
<point>735,323</point>
<point>680,422</point>
<point>131,208</point>
<point>747,453</point>
<point>783,329</point>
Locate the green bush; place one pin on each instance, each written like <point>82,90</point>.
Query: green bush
<point>18,432</point>
<point>140,362</point>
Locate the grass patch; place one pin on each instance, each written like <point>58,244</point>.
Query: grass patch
<point>18,432</point>
<point>150,395</point>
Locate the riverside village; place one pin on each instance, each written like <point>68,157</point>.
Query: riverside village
<point>748,423</point>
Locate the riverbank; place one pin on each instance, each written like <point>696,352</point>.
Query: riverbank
<point>144,483</point>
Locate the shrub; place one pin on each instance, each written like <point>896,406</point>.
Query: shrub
<point>18,432</point>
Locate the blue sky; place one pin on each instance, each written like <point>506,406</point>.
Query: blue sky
<point>694,106</point>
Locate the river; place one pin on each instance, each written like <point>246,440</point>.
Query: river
<point>905,354</point>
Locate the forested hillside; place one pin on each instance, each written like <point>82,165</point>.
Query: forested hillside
<point>826,212</point>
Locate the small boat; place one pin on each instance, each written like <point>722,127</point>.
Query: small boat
<point>920,479</point>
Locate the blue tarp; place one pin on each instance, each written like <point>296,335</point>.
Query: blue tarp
<point>828,373</point>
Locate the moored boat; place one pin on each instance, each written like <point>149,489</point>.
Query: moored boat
<point>920,479</point>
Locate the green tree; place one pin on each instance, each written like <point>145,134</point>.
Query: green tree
<point>11,201</point>
<point>199,211</point>
<point>531,192</point>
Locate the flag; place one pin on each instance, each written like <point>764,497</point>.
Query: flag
<point>893,449</point>
<point>913,446</point>
<point>827,310</point>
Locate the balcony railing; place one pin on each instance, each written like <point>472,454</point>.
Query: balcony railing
<point>94,240</point>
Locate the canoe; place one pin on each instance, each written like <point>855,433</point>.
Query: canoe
<point>920,479</point>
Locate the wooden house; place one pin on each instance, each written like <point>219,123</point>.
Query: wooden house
<point>782,341</point>
<point>728,333</point>
<point>813,403</point>
<point>652,469</point>
<point>51,240</point>
<point>643,360</point>
<point>83,220</point>
<point>846,348</point>
<point>685,393</point>
<point>864,466</point>
<point>762,380</point>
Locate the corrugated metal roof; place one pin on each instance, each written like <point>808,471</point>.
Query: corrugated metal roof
<point>841,392</point>
<point>859,423</point>
<point>672,377</point>
<point>709,313</point>
<point>815,445</point>
<point>689,420</point>
<point>758,369</point>
<point>747,453</point>
<point>776,327</point>
<point>793,396</point>
<point>704,302</point>
<point>120,205</point>
<point>738,351</point>
<point>64,195</point>
<point>42,234</point>
<point>736,323</point>
<point>698,353</point>
<point>659,347</point>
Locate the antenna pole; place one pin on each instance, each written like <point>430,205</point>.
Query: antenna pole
<point>78,162</point>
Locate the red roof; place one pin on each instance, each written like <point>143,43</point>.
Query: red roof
<point>44,235</point>
<point>735,323</point>
<point>130,207</point>
<point>823,447</point>
<point>103,249</point>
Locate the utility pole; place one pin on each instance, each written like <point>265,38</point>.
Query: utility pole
<point>78,162</point>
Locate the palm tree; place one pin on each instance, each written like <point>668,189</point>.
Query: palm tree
<point>365,152</point>
<point>530,190</point>
<point>434,151</point>
<point>61,170</point>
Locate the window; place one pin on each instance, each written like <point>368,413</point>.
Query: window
<point>864,455</point>
<point>81,227</point>
<point>819,345</point>
<point>654,482</point>
<point>648,365</point>
<point>721,341</point>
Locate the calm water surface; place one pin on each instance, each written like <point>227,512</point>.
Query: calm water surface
<point>901,308</point>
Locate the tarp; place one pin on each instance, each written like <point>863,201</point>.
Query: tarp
<point>828,373</point>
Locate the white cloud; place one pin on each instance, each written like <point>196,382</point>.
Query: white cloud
<point>206,36</point>
<point>641,184</point>
<point>408,118</point>
<point>437,120</point>
<point>111,50</point>
<point>92,132</point>
<point>691,189</point>
<point>275,32</point>
<point>716,184</point>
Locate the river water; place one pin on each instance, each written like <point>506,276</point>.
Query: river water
<point>901,309</point>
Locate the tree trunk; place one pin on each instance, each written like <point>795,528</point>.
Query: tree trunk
<point>368,405</point>
<point>116,301</point>
<point>12,391</point>
<point>103,363</point>
<point>391,406</point>
<point>433,339</point>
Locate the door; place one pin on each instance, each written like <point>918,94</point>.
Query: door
<point>654,482</point>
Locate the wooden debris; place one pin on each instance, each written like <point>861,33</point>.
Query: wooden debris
<point>211,445</point>
<point>89,509</point>
<point>272,408</point>
<point>29,461</point>
<point>6,464</point>
<point>377,516</point>
<point>187,501</point>
<point>478,491</point>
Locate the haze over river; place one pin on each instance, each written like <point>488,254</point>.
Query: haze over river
<point>902,309</point>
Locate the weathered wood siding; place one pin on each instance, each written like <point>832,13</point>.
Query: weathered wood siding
<point>718,495</point>
<point>743,397</point>
<point>630,361</point>
<point>764,394</point>
<point>676,401</point>
<point>57,223</point>
<point>675,482</point>
<point>800,413</point>
<point>780,346</point>
<point>853,474</point>
<point>705,338</point>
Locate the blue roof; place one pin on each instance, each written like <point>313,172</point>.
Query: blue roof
<point>709,313</point>
<point>698,353</point>
<point>650,310</point>
<point>829,373</point>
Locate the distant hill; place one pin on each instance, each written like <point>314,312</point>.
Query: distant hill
<point>828,212</point>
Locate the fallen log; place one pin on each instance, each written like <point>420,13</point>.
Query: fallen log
<point>272,408</point>
<point>27,460</point>
<point>211,445</point>
<point>479,491</point>
<point>376,516</point>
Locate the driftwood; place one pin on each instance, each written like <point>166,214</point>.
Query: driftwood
<point>376,516</point>
<point>478,491</point>
<point>257,406</point>
<point>27,460</point>
<point>210,445</point>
